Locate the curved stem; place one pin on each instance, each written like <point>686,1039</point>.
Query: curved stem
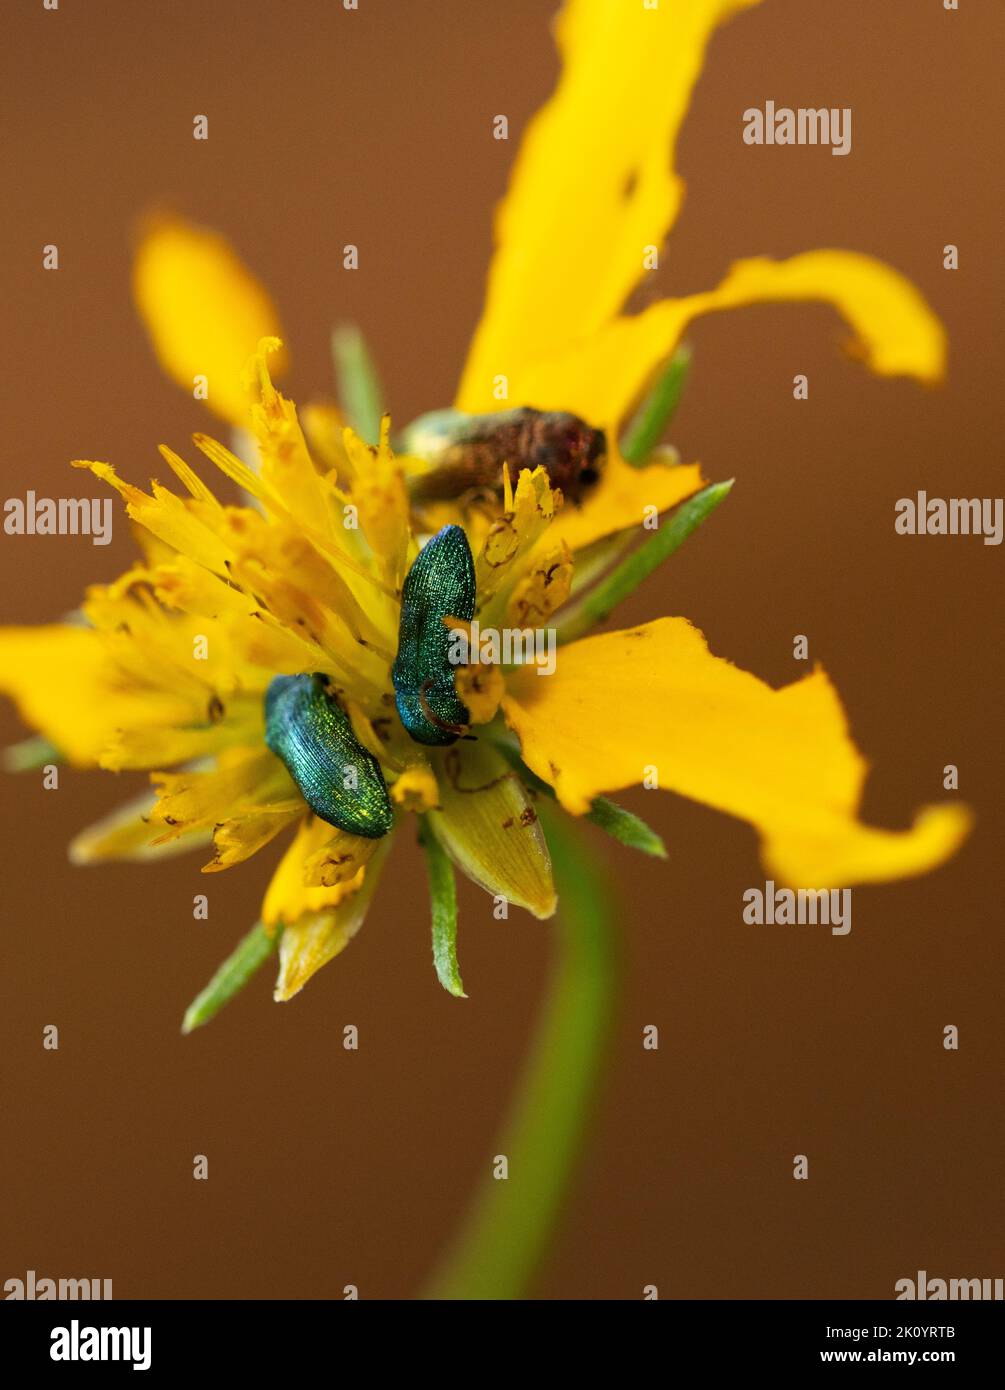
<point>510,1221</point>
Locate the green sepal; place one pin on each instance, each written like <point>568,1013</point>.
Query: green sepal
<point>250,954</point>
<point>359,390</point>
<point>626,827</point>
<point>443,906</point>
<point>30,754</point>
<point>600,601</point>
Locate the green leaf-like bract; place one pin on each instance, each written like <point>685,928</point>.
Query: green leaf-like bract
<point>657,410</point>
<point>443,906</point>
<point>626,577</point>
<point>235,972</point>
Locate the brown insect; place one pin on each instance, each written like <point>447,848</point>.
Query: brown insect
<point>467,452</point>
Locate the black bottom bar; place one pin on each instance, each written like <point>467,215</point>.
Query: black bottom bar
<point>175,1341</point>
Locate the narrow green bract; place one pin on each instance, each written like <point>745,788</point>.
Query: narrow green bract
<point>440,584</point>
<point>340,781</point>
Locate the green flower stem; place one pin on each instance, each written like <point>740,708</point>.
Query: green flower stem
<point>597,603</point>
<point>511,1220</point>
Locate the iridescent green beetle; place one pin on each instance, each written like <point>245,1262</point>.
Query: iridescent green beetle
<point>310,732</point>
<point>440,584</point>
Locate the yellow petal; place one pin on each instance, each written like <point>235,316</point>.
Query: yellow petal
<point>479,689</point>
<point>416,788</point>
<point>126,833</point>
<point>488,826</point>
<point>317,936</point>
<point>593,185</point>
<point>242,777</point>
<point>242,835</point>
<point>654,701</point>
<point>286,465</point>
<point>339,859</point>
<point>380,496</point>
<point>620,500</point>
<point>205,312</point>
<point>184,525</point>
<point>289,896</point>
<point>65,686</point>
<point>895,331</point>
<point>544,587</point>
<point>509,542</point>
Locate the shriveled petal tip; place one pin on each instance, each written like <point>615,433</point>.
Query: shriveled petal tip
<point>204,310</point>
<point>652,705</point>
<point>488,826</point>
<point>895,332</point>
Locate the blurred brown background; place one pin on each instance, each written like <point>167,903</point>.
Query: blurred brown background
<point>328,1167</point>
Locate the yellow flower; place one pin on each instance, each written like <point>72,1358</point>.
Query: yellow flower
<point>170,667</point>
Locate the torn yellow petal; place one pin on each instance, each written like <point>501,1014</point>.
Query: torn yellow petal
<point>243,834</point>
<point>544,587</point>
<point>653,703</point>
<point>318,935</point>
<point>505,553</point>
<point>205,312</point>
<point>592,187</point>
<point>895,331</point>
<point>488,826</point>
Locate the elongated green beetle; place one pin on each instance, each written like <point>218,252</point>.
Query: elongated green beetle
<point>440,584</point>
<point>310,732</point>
<point>468,451</point>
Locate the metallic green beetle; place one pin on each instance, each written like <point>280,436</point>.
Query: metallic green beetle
<point>310,732</point>
<point>440,584</point>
